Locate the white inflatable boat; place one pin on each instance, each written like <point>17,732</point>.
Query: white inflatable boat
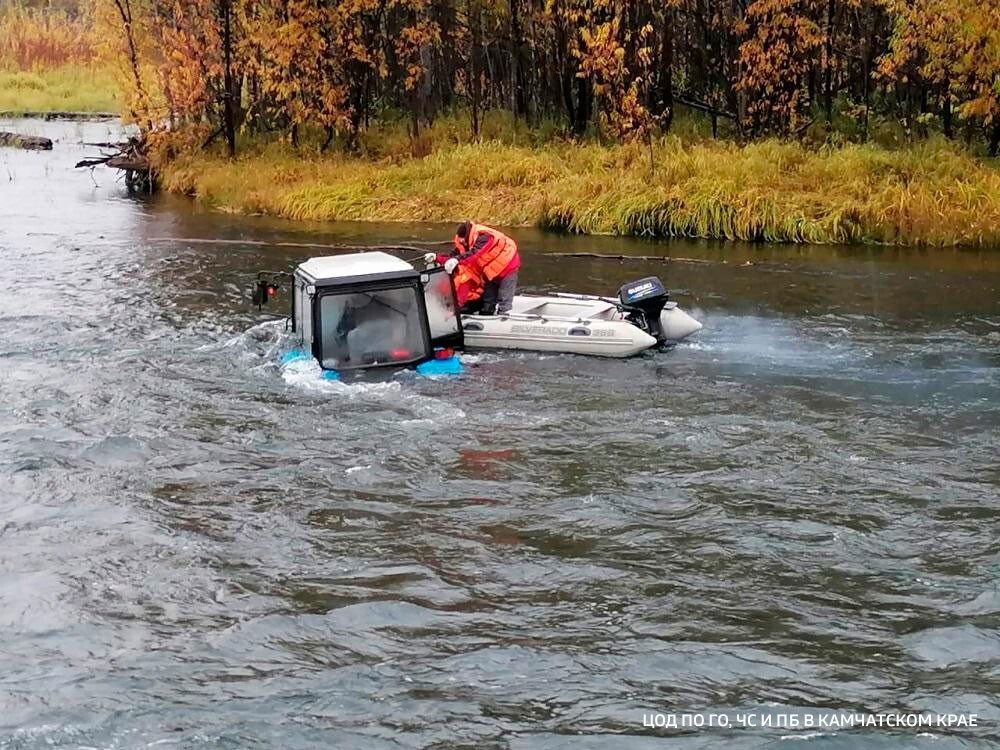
<point>576,324</point>
<point>371,309</point>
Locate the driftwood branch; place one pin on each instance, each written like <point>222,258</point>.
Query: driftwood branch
<point>133,162</point>
<point>208,141</point>
<point>129,157</point>
<point>702,107</point>
<point>91,162</point>
<point>803,128</point>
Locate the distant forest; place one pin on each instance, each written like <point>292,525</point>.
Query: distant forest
<point>758,67</point>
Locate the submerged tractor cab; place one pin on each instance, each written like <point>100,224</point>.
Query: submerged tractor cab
<point>372,309</point>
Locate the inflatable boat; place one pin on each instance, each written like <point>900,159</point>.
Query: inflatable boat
<point>372,309</point>
<point>580,324</point>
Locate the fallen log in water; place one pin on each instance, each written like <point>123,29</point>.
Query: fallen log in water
<point>31,142</point>
<point>133,162</point>
<point>61,115</point>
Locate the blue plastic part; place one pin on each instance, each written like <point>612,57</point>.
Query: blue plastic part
<point>449,366</point>
<point>297,355</point>
<point>293,356</point>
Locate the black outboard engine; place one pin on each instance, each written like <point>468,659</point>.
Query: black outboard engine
<point>643,301</point>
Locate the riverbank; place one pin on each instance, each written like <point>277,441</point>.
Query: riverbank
<point>928,194</point>
<point>49,61</point>
<point>68,89</point>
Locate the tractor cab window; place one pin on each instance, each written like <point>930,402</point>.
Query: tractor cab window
<point>367,328</point>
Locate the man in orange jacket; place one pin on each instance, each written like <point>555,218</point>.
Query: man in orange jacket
<point>492,256</point>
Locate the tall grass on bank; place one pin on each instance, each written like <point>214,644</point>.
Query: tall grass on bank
<point>930,194</point>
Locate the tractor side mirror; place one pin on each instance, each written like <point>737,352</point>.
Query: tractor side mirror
<point>263,290</point>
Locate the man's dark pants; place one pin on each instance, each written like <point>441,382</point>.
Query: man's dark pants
<point>498,294</point>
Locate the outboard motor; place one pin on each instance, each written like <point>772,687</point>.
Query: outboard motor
<point>643,301</point>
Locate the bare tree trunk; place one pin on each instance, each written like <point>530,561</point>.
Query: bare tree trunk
<point>665,92</point>
<point>584,102</point>
<point>473,67</point>
<point>125,11</point>
<point>517,64</point>
<point>828,62</point>
<point>869,53</point>
<point>229,95</point>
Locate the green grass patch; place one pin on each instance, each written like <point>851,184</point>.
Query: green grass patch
<point>72,89</point>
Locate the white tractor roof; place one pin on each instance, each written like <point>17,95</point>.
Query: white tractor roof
<point>355,264</point>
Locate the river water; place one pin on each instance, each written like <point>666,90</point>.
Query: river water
<point>793,514</point>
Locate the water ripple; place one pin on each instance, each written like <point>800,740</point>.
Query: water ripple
<point>796,512</point>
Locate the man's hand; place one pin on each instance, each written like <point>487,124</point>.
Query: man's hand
<point>451,264</point>
<point>430,257</point>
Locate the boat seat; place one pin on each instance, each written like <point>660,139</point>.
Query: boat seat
<point>569,308</point>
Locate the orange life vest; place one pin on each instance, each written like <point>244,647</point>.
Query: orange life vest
<point>468,284</point>
<point>491,261</point>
